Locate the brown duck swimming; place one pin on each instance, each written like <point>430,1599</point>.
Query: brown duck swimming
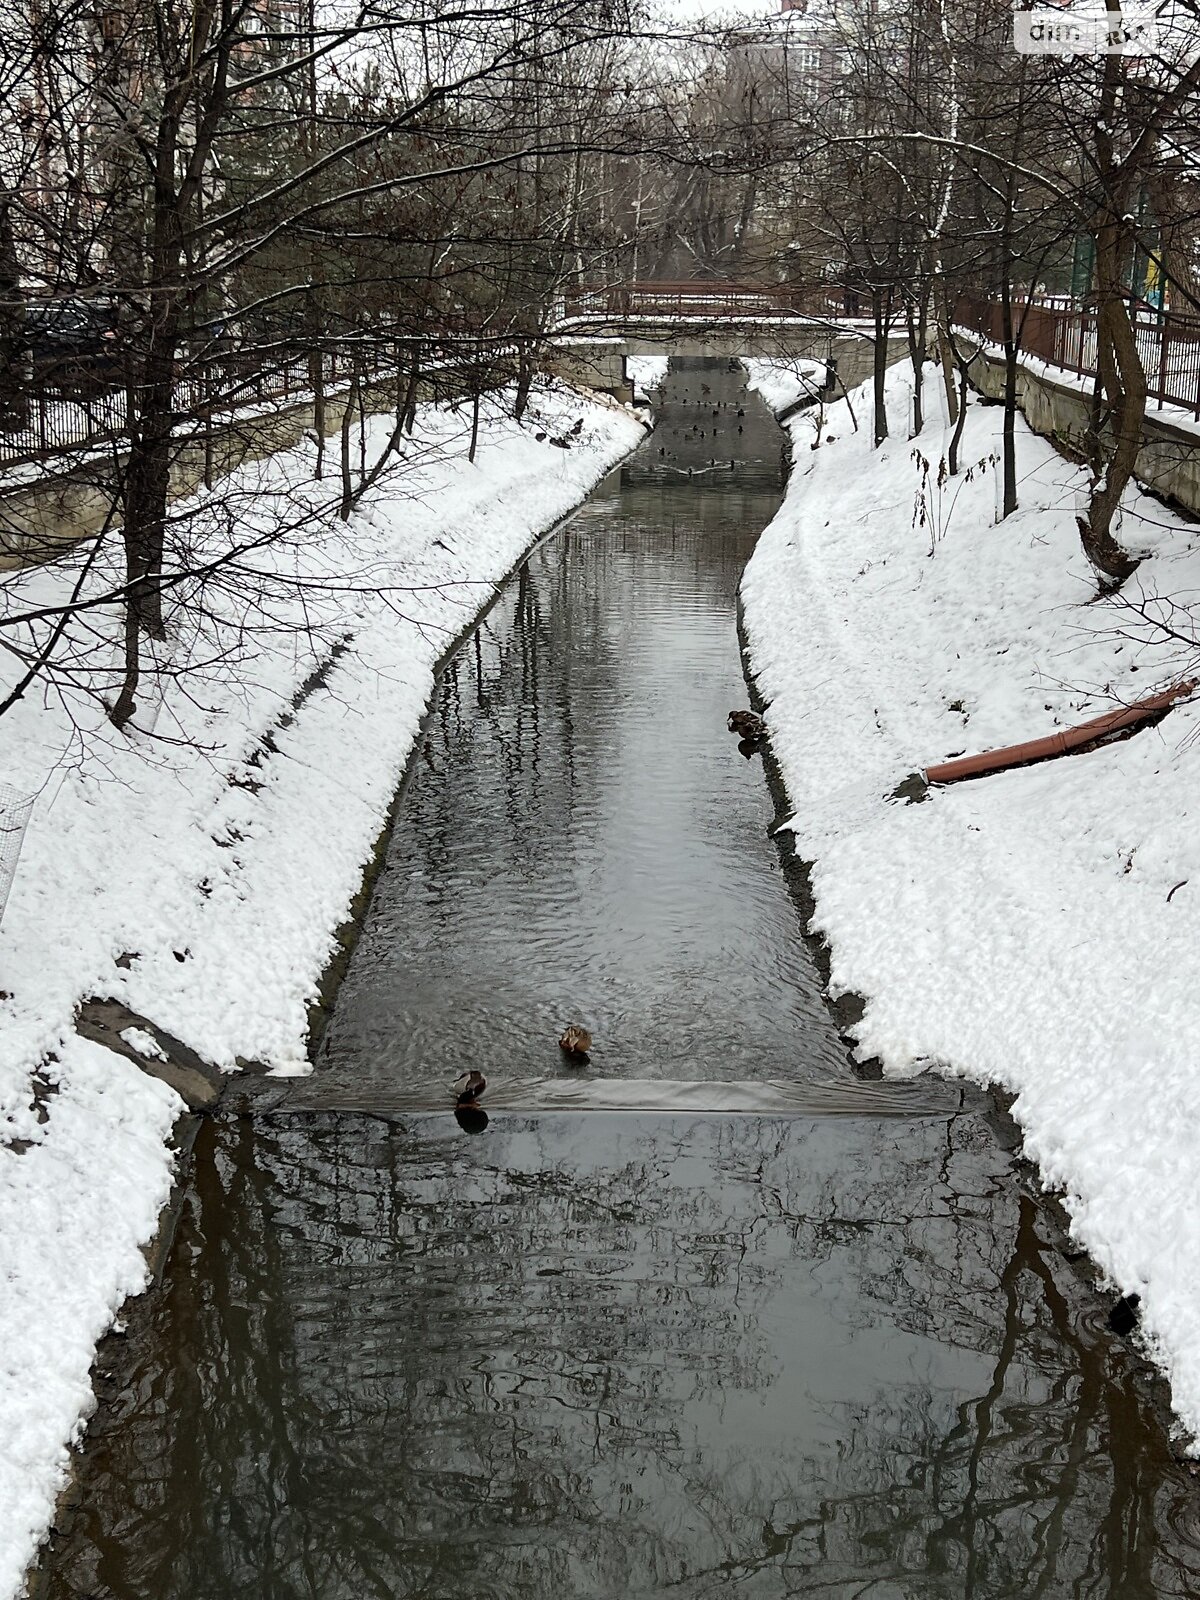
<point>575,1042</point>
<point>473,1085</point>
<point>747,725</point>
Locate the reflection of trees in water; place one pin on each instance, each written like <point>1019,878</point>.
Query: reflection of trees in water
<point>533,709</point>
<point>580,801</point>
<point>554,651</point>
<point>607,1356</point>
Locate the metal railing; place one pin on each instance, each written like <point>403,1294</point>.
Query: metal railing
<point>696,299</point>
<point>1064,335</point>
<point>83,418</point>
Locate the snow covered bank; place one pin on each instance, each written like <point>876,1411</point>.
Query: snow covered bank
<point>198,873</point>
<point>646,374</point>
<point>785,383</point>
<point>1038,929</point>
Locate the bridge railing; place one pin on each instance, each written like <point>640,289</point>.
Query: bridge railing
<point>1063,334</point>
<point>697,299</point>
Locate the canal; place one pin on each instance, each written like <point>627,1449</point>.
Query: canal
<point>713,1314</point>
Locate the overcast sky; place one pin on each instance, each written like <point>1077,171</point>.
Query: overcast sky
<point>688,11</point>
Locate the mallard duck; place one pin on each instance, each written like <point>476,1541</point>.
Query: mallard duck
<point>575,1041</point>
<point>473,1085</point>
<point>747,725</point>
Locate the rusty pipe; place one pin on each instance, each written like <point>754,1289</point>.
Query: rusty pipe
<point>1057,744</point>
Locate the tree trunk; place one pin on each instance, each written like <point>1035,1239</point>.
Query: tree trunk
<point>946,355</point>
<point>524,379</point>
<point>408,408</point>
<point>147,478</point>
<point>1115,436</point>
<point>126,703</point>
<point>319,412</point>
<point>152,389</point>
<point>316,376</point>
<point>347,504</point>
<point>1009,448</point>
<point>361,406</point>
<point>917,327</point>
<point>475,399</point>
<point>960,421</point>
<point>880,369</point>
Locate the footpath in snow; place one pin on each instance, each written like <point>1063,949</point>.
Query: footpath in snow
<point>1037,929</point>
<point>197,871</point>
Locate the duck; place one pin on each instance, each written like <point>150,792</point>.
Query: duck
<point>473,1085</point>
<point>575,1041</point>
<point>747,725</point>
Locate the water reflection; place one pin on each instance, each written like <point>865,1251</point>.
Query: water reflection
<point>814,1343</point>
<point>625,1356</point>
<point>584,841</point>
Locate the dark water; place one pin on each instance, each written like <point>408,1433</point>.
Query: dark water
<point>815,1339</point>
<point>585,842</point>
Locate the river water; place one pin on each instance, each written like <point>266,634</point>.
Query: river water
<point>711,1315</point>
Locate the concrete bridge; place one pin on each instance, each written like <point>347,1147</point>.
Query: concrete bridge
<point>599,328</point>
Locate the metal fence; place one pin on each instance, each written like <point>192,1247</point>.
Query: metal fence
<point>1063,334</point>
<point>53,422</point>
<point>15,811</point>
<point>86,417</point>
<point>696,299</point>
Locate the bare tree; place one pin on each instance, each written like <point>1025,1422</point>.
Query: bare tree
<point>268,195</point>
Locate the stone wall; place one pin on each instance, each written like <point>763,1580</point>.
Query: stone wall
<point>1168,462</point>
<point>38,518</point>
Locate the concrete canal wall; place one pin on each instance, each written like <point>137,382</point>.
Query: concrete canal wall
<point>41,510</point>
<point>1058,406</point>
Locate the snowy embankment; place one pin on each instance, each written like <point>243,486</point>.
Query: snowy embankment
<point>1037,929</point>
<point>646,374</point>
<point>198,873</point>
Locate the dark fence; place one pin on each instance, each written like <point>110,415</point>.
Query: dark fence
<point>1063,334</point>
<point>698,299</point>
<point>83,416</point>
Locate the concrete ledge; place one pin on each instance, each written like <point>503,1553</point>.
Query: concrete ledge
<point>1168,462</point>
<point>597,359</point>
<point>43,516</point>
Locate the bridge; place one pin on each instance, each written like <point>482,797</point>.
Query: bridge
<point>598,326</point>
<point>698,300</point>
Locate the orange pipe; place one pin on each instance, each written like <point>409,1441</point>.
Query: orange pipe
<point>1057,744</point>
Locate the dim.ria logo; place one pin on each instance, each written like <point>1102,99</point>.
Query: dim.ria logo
<point>1067,28</point>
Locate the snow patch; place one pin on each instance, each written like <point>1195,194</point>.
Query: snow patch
<point>144,1043</point>
<point>1038,929</point>
<point>646,373</point>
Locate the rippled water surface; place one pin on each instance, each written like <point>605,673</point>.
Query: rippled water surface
<point>583,841</point>
<point>710,1316</point>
